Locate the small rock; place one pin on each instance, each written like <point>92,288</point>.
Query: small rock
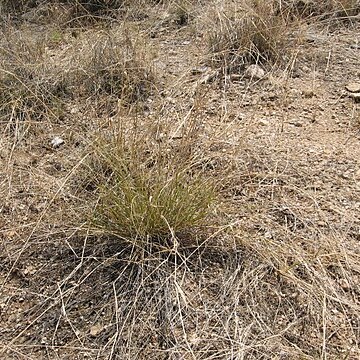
<point>242,116</point>
<point>254,72</point>
<point>96,329</point>
<point>271,96</point>
<point>170,100</point>
<point>199,70</point>
<point>208,78</point>
<point>57,141</point>
<point>312,37</point>
<point>268,235</point>
<point>308,93</point>
<point>353,87</point>
<point>236,77</point>
<point>74,110</point>
<point>357,174</point>
<point>10,234</point>
<point>264,122</point>
<point>344,284</point>
<point>355,96</point>
<point>30,270</point>
<point>296,123</point>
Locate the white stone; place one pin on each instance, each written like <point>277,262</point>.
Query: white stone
<point>57,141</point>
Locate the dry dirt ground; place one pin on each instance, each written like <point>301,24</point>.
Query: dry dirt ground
<point>278,276</point>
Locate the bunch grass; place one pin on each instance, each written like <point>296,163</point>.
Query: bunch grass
<point>150,192</point>
<point>247,32</point>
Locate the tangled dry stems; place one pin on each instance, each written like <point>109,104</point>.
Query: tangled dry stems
<point>248,33</point>
<point>239,33</point>
<point>104,68</point>
<point>30,88</point>
<point>322,9</point>
<point>116,66</point>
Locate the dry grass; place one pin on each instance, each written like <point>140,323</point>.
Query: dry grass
<point>31,89</point>
<point>106,68</point>
<point>115,65</point>
<point>323,9</point>
<point>220,238</point>
<point>248,32</point>
<point>82,7</point>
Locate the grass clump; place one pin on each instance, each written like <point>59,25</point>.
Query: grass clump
<point>113,66</point>
<point>150,192</point>
<point>16,6</point>
<point>88,6</point>
<point>37,84</point>
<point>249,32</point>
<point>82,13</point>
<point>323,9</point>
<point>94,6</point>
<point>30,88</point>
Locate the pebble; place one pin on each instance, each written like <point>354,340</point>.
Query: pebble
<point>355,46</point>
<point>308,93</point>
<point>264,122</point>
<point>355,96</point>
<point>235,77</point>
<point>208,78</point>
<point>57,141</point>
<point>344,284</point>
<point>272,96</point>
<point>170,100</point>
<point>96,329</point>
<point>199,70</point>
<point>353,87</point>
<point>254,72</point>
<point>296,123</point>
<point>30,270</point>
<point>268,235</point>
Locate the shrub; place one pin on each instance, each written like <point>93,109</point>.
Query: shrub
<point>106,68</point>
<point>81,12</point>
<point>16,6</point>
<point>89,6</point>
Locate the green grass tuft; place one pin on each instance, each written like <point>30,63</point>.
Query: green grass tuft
<point>149,194</point>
